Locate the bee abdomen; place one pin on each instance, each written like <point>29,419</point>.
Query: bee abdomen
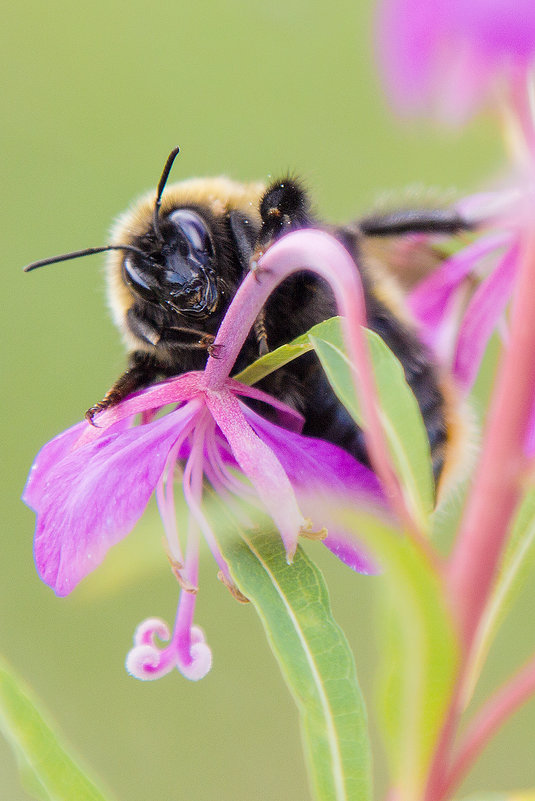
<point>422,377</point>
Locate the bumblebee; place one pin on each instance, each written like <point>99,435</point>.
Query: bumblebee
<point>178,259</point>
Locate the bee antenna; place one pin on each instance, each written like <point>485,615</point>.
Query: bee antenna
<point>76,254</point>
<point>161,186</point>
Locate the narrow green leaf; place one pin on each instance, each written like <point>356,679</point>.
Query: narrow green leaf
<point>314,658</point>
<point>286,353</point>
<point>273,360</point>
<point>418,651</point>
<point>48,771</point>
<point>518,562</point>
<point>399,413</point>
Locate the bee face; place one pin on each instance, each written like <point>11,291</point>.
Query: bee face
<point>182,273</point>
<point>179,269</point>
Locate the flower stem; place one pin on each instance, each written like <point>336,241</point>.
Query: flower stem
<point>486,521</point>
<point>436,783</point>
<point>505,701</point>
<point>485,525</point>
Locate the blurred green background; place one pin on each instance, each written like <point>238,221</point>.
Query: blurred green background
<point>95,97</point>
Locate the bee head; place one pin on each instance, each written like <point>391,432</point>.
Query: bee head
<point>174,265</point>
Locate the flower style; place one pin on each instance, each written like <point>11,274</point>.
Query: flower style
<point>90,485</point>
<point>451,54</point>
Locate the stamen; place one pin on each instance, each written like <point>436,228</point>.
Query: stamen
<point>233,481</point>
<point>193,499</point>
<point>228,498</point>
<point>166,499</point>
<point>307,532</point>
<point>178,572</point>
<point>234,591</point>
<point>168,516</point>
<point>167,493</point>
<point>225,476</point>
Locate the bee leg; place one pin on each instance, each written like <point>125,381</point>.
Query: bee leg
<point>415,221</point>
<point>142,371</point>
<point>284,207</point>
<point>213,350</point>
<point>261,333</point>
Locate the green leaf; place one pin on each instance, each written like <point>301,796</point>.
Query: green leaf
<point>314,658</point>
<point>399,413</point>
<point>273,360</point>
<point>286,353</point>
<point>517,564</point>
<point>48,771</point>
<point>418,650</point>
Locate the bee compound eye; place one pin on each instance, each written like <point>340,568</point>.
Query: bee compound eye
<point>133,275</point>
<point>139,275</point>
<point>195,231</point>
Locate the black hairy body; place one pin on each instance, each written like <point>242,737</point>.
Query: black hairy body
<point>243,221</point>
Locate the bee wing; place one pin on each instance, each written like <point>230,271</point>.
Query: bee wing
<point>409,258</point>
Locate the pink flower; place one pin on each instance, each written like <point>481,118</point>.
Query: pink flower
<point>89,485</point>
<point>450,54</point>
<point>457,322</point>
<point>467,299</point>
<point>453,54</point>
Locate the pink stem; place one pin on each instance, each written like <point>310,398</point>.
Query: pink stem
<point>436,783</point>
<point>485,525</point>
<point>496,491</point>
<point>320,253</point>
<point>505,701</point>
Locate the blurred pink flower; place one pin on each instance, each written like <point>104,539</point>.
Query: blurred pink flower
<point>455,320</point>
<point>451,54</point>
<point>467,299</point>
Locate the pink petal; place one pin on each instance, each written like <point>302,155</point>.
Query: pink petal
<point>428,300</point>
<point>46,460</point>
<point>446,53</point>
<point>461,83</point>
<point>173,390</point>
<point>481,317</point>
<point>409,38</point>
<point>258,462</point>
<point>435,302</point>
<point>325,471</point>
<point>286,416</point>
<point>94,495</point>
<point>499,28</point>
